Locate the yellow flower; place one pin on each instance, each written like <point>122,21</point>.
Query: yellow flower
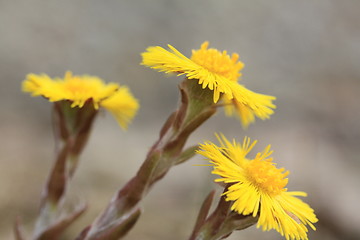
<point>256,186</point>
<point>81,89</point>
<point>216,71</point>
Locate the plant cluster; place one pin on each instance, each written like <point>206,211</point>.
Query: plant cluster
<point>254,189</point>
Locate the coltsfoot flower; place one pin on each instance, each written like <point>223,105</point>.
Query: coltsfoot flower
<point>257,187</point>
<point>81,89</point>
<point>218,72</point>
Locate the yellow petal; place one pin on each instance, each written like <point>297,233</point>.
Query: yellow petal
<point>122,105</point>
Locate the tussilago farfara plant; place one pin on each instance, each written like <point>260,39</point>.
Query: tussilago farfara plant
<point>217,72</point>
<point>76,102</point>
<point>254,189</point>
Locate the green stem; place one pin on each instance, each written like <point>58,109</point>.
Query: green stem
<point>72,127</point>
<point>221,223</point>
<point>196,107</point>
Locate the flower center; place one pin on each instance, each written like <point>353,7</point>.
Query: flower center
<point>80,89</point>
<point>76,85</point>
<point>268,178</point>
<point>218,62</point>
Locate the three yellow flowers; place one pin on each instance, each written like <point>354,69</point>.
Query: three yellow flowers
<point>255,186</point>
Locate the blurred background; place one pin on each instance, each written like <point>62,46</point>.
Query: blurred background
<point>306,53</point>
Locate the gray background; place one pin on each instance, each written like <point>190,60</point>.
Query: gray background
<point>306,53</point>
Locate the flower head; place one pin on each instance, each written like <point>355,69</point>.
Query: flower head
<point>256,186</point>
<point>82,89</point>
<point>216,71</point>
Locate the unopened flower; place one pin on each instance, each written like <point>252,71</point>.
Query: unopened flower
<point>81,89</point>
<point>256,186</point>
<point>216,71</point>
